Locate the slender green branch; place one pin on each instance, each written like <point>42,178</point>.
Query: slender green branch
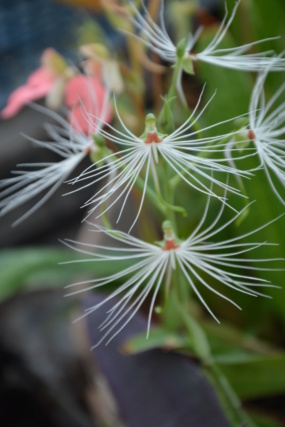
<point>165,118</point>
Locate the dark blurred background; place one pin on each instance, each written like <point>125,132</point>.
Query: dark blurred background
<point>47,376</point>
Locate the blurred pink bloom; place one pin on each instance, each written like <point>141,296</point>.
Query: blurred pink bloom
<point>84,95</point>
<point>87,100</point>
<point>38,86</point>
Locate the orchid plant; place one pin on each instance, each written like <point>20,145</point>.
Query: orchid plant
<point>158,160</point>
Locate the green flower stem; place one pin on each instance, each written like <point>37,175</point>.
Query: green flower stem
<point>232,405</point>
<point>199,344</point>
<point>172,89</point>
<point>169,198</point>
<point>165,118</point>
<point>169,207</point>
<point>151,195</point>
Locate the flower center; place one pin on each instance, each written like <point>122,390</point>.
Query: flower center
<point>170,244</point>
<point>251,135</point>
<point>152,137</point>
<point>169,238</point>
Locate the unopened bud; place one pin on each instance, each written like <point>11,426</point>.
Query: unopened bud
<point>242,139</point>
<point>180,48</point>
<point>240,122</point>
<point>167,229</point>
<point>150,123</point>
<point>53,61</point>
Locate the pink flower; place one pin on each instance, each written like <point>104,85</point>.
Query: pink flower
<point>84,95</point>
<point>38,86</point>
<point>47,81</point>
<point>87,100</point>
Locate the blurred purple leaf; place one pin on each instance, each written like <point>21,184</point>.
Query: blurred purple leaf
<point>154,388</point>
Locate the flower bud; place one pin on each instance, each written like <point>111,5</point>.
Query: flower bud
<point>240,122</point>
<point>150,123</point>
<point>53,61</point>
<point>181,48</point>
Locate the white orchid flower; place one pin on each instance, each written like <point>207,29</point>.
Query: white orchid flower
<point>156,38</point>
<point>267,131</point>
<point>45,178</point>
<point>202,259</point>
<point>184,153</point>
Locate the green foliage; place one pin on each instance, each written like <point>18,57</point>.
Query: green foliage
<point>35,268</point>
<point>254,377</point>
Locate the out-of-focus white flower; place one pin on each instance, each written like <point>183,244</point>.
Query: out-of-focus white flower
<point>69,143</point>
<point>200,259</point>
<point>156,38</point>
<point>184,153</point>
<point>267,131</point>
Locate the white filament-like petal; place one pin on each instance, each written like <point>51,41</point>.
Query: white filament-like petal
<point>267,130</point>
<point>203,260</point>
<point>37,178</point>
<point>155,37</point>
<point>45,178</point>
<point>186,155</point>
<point>31,183</point>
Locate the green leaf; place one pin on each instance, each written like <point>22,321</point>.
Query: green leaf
<point>36,267</point>
<point>255,377</point>
<point>158,338</point>
<point>229,339</point>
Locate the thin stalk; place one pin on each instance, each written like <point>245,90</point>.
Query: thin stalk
<point>169,207</point>
<point>172,90</point>
<point>169,198</point>
<point>164,114</point>
<point>151,195</point>
<point>232,405</point>
<point>199,344</point>
<point>165,117</point>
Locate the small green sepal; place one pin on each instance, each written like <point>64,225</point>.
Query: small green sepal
<point>187,65</point>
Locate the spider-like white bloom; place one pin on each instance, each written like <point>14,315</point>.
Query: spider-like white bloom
<point>267,131</point>
<point>156,38</point>
<point>37,178</point>
<point>184,153</point>
<point>201,260</point>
